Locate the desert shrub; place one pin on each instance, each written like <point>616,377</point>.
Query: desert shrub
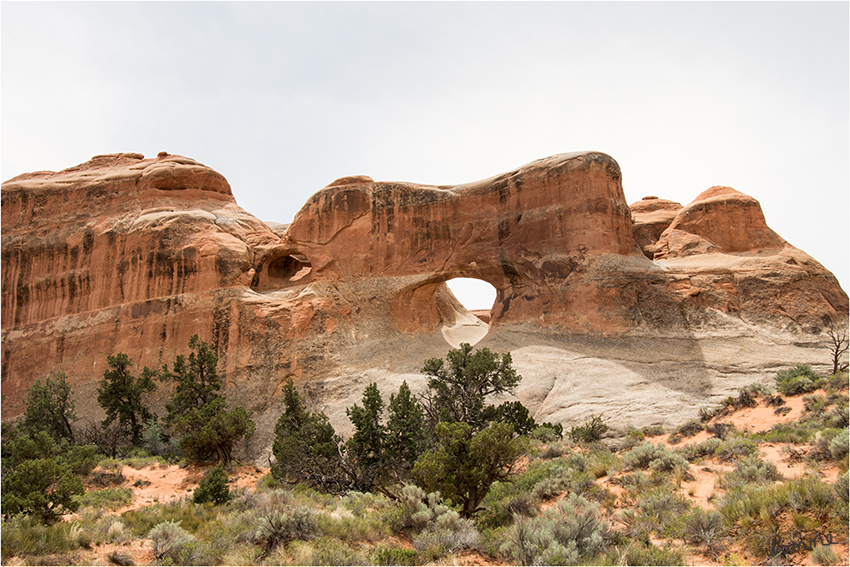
<point>810,494</point>
<point>652,430</point>
<point>694,451</point>
<point>706,414</point>
<point>721,430</point>
<point>106,477</point>
<point>553,451</point>
<point>329,551</point>
<point>643,554</point>
<point>634,436</point>
<point>344,525</point>
<point>774,400</point>
<point>755,509</point>
<point>815,405</point>
<point>825,555</point>
<point>542,480</point>
<point>282,526</point>
<point>105,498</point>
<point>80,536</point>
<point>591,430</point>
<point>393,556</point>
<point>786,433</point>
<point>669,461</point>
<point>841,488</point>
<point>568,533</point>
<point>157,443</point>
<point>213,487</point>
<point>360,502</point>
<point>189,516</point>
<point>735,447</point>
<point>703,527</point>
<point>448,533</point>
<point>838,381</point>
<point>688,429</point>
<point>746,399</point>
<point>168,540</point>
<point>751,470</point>
<point>116,533</point>
<point>322,551</point>
<point>27,536</point>
<point>640,456</point>
<point>838,416</point>
<point>838,447</point>
<point>655,457</point>
<point>548,433</point>
<point>664,508</point>
<point>416,509</point>
<point>798,380</point>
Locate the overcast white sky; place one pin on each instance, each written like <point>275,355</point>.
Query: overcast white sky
<point>284,97</point>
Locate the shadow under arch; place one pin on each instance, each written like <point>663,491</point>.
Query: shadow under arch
<point>281,268</point>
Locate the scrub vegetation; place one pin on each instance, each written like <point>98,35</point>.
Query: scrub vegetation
<point>448,477</point>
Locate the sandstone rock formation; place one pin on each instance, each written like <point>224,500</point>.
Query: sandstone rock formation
<point>641,313</point>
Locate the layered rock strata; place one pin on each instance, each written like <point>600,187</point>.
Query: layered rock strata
<point>633,311</point>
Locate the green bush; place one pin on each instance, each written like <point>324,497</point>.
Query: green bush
<point>689,429</point>
<point>168,540</point>
<point>26,536</point>
<point>105,498</point>
<point>838,447</point>
<point>416,509</point>
<point>643,554</point>
<point>841,489</point>
<point>393,556</point>
<point>694,451</point>
<point>213,487</point>
<point>663,508</point>
<point>276,527</point>
<point>825,555</point>
<point>656,457</point>
<point>703,527</point>
<point>735,447</point>
<point>548,432</point>
<point>652,430</point>
<point>448,533</point>
<point>189,516</point>
<point>751,470</point>
<point>591,430</point>
<point>798,380</point>
<point>568,533</point>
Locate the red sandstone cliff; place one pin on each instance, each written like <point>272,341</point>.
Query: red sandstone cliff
<point>134,255</point>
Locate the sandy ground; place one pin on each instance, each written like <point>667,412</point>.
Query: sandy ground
<point>163,484</point>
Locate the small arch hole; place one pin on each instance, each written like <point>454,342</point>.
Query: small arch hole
<point>477,296</point>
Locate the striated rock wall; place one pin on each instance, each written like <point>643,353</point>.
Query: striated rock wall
<point>635,311</point>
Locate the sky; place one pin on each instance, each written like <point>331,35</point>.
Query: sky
<point>284,97</point>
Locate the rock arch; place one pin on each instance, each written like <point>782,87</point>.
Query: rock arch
<point>282,268</point>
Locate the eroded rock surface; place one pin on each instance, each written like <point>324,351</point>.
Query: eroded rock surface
<point>642,313</point>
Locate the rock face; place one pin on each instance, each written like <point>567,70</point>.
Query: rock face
<point>629,311</point>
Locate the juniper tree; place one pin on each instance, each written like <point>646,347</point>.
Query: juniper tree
<point>459,386</point>
<point>120,395</point>
<point>365,448</point>
<point>198,411</point>
<point>465,463</point>
<point>405,433</point>
<point>50,408</point>
<point>306,447</point>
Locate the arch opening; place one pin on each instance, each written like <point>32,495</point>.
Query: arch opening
<point>284,271</point>
<point>472,322</point>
